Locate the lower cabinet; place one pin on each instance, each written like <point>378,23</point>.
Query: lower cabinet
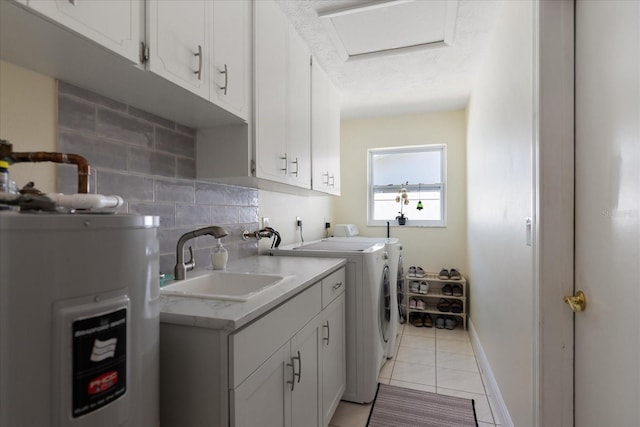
<point>285,389</point>
<point>286,368</point>
<point>333,357</point>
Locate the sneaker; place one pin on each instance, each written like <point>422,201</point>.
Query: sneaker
<point>424,288</point>
<point>420,304</point>
<point>412,272</point>
<point>444,305</point>
<point>414,287</point>
<point>420,272</point>
<point>456,290</point>
<point>427,320</point>
<point>439,322</point>
<point>454,274</point>
<point>456,306</point>
<point>447,290</point>
<point>416,320</point>
<point>444,274</point>
<point>450,323</point>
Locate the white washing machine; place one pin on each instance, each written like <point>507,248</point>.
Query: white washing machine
<point>368,298</point>
<point>349,232</point>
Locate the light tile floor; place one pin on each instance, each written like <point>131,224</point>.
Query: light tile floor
<point>430,359</point>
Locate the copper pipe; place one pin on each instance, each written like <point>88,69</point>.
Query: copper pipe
<point>84,169</point>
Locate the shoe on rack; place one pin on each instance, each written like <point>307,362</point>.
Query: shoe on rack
<point>444,274</point>
<point>420,272</point>
<point>412,272</point>
<point>420,305</point>
<point>456,290</point>
<point>456,306</point>
<point>424,288</point>
<point>447,290</point>
<point>444,305</point>
<point>416,320</point>
<point>440,322</point>
<point>454,274</point>
<point>427,320</point>
<point>414,286</point>
<point>450,323</point>
<point>412,303</point>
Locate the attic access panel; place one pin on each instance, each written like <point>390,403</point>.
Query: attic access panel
<point>389,27</point>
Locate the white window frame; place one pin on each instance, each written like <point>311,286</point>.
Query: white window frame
<point>412,188</point>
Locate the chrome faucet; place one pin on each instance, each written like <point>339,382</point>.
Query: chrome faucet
<point>264,233</point>
<point>181,268</point>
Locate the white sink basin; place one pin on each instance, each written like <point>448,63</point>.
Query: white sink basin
<point>223,285</point>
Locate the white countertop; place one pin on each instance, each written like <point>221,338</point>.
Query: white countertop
<point>300,272</point>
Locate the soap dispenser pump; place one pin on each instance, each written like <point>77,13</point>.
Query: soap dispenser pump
<point>219,256</point>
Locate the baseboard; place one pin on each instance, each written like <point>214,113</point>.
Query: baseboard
<point>502,416</point>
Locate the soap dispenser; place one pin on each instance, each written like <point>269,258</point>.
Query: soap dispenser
<point>219,256</point>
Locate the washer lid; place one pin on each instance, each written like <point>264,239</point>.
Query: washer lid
<point>342,246</point>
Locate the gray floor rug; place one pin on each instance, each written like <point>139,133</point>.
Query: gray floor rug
<point>402,407</point>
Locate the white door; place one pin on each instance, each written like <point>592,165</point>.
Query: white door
<point>607,219</point>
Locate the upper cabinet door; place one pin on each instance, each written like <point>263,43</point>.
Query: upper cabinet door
<point>299,111</point>
<point>230,59</point>
<point>178,41</point>
<point>271,69</point>
<point>114,24</point>
<point>325,136</point>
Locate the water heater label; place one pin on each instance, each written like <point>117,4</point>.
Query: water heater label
<point>99,361</point>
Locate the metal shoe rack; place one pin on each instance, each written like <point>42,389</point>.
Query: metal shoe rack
<point>433,296</point>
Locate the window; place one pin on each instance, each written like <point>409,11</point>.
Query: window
<point>419,169</point>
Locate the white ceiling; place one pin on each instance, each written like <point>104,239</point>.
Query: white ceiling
<point>419,80</point>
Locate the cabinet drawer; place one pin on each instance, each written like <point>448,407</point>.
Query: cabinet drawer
<point>332,286</point>
<point>251,346</point>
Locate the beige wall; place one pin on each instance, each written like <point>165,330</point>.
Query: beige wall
<point>500,197</point>
<point>429,247</point>
<point>282,210</point>
<point>28,106</point>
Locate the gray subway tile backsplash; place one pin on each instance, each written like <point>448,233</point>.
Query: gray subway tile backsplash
<point>193,215</point>
<point>150,162</point>
<point>122,127</point>
<point>174,142</point>
<point>106,154</point>
<point>77,115</point>
<point>132,188</point>
<point>91,97</point>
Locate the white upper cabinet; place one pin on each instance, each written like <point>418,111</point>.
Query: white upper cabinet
<point>115,24</point>
<point>230,62</point>
<point>178,42</point>
<point>282,97</point>
<point>325,136</point>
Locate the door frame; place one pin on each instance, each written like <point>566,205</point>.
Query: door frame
<point>553,193</point>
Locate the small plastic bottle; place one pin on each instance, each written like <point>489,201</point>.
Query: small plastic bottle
<point>219,256</point>
<point>5,184</point>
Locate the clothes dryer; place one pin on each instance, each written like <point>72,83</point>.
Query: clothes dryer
<point>368,299</point>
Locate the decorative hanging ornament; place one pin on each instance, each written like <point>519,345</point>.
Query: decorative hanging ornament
<point>419,206</point>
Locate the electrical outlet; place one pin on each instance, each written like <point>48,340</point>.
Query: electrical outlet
<point>298,222</point>
<point>265,222</point>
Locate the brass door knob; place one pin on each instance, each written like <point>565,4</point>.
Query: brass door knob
<point>577,302</point>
